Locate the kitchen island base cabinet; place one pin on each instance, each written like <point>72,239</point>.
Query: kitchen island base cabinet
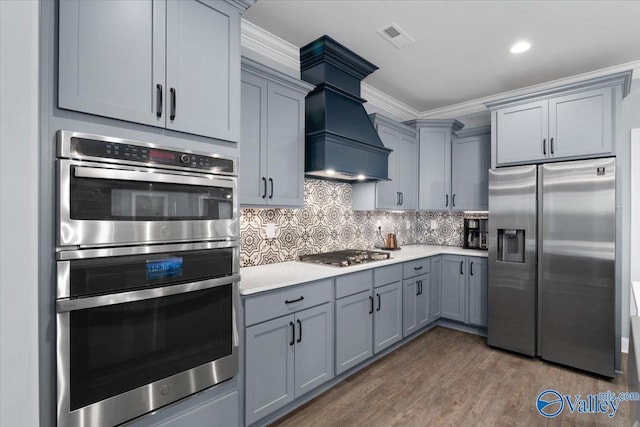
<point>354,330</point>
<point>287,357</point>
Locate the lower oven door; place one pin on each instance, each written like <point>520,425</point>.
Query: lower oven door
<point>122,355</point>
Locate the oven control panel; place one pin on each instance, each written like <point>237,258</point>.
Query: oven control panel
<point>146,155</point>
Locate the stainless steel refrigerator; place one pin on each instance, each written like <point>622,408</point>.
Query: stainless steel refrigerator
<point>552,233</point>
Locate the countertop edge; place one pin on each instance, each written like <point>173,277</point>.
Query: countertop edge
<point>325,272</point>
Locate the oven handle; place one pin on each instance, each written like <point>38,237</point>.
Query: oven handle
<point>132,175</point>
<point>67,304</point>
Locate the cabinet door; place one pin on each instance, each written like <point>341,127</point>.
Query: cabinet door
<point>387,191</point>
<point>477,291</point>
<point>408,172</point>
<point>203,68</point>
<point>580,124</point>
<point>522,133</point>
<point>453,288</point>
<point>435,169</point>
<point>422,302</point>
<point>111,59</point>
<point>285,139</point>
<point>252,180</point>
<point>435,285</point>
<point>221,412</point>
<point>409,296</point>
<point>471,161</point>
<point>387,325</point>
<point>314,348</point>
<point>269,367</point>
<point>354,330</point>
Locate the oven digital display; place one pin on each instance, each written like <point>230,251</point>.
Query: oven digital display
<point>161,156</point>
<point>164,268</point>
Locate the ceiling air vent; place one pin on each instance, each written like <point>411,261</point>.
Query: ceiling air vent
<point>396,35</point>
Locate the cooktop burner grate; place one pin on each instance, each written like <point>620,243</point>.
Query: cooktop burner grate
<point>345,257</point>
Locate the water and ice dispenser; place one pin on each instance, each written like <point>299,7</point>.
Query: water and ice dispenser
<point>510,245</point>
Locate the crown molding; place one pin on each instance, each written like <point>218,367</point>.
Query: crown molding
<point>481,130</point>
<point>452,124</point>
<point>241,5</point>
<point>279,50</point>
<point>381,119</point>
<point>264,71</point>
<point>269,45</point>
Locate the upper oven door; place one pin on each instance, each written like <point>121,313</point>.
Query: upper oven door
<point>104,204</point>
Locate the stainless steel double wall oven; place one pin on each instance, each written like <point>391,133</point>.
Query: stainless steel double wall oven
<point>147,276</point>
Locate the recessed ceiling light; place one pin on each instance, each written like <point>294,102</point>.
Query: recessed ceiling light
<point>520,47</point>
<point>361,177</point>
<point>331,172</point>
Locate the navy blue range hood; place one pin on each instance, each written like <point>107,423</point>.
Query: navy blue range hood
<point>341,142</point>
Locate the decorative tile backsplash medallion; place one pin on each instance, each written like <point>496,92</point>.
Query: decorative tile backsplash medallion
<point>327,223</point>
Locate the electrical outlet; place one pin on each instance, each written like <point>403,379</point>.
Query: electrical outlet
<point>434,224</point>
<point>378,225</point>
<point>270,231</point>
<point>408,225</point>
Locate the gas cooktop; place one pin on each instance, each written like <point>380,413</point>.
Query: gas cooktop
<point>345,257</point>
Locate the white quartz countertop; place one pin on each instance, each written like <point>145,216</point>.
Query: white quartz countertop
<point>267,277</point>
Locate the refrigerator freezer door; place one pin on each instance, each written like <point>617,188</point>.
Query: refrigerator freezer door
<point>511,313</point>
<point>577,264</point>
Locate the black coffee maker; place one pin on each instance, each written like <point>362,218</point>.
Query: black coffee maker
<point>475,233</point>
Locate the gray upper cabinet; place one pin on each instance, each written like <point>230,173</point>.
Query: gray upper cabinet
<point>471,161</point>
<point>477,291</point>
<point>114,76</point>
<point>400,192</point>
<point>453,288</point>
<point>271,171</point>
<point>173,64</point>
<point>570,121</point>
<point>522,131</point>
<point>453,172</point>
<point>203,68</point>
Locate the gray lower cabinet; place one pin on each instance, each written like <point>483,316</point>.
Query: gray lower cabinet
<point>387,320</point>
<point>464,289</point>
<point>170,64</point>
<point>477,291</point>
<point>435,287</point>
<point>285,358</point>
<point>221,412</point>
<point>453,288</point>
<point>415,307</point>
<point>354,330</point>
<point>271,171</point>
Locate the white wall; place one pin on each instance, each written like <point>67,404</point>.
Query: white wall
<point>634,271</point>
<point>19,160</point>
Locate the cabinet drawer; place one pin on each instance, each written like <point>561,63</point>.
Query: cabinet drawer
<point>386,275</point>
<point>415,268</point>
<point>353,283</point>
<point>274,304</point>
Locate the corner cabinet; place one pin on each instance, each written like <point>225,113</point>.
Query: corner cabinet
<point>400,191</point>
<point>170,64</point>
<point>453,173</point>
<point>571,121</point>
<point>271,169</point>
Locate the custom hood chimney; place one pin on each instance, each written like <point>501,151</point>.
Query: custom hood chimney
<point>341,142</point>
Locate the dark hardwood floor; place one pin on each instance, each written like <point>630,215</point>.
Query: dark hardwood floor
<point>450,378</point>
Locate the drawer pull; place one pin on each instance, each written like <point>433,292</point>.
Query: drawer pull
<point>293,300</point>
<point>418,268</point>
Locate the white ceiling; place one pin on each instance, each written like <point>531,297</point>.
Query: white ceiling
<point>462,47</point>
